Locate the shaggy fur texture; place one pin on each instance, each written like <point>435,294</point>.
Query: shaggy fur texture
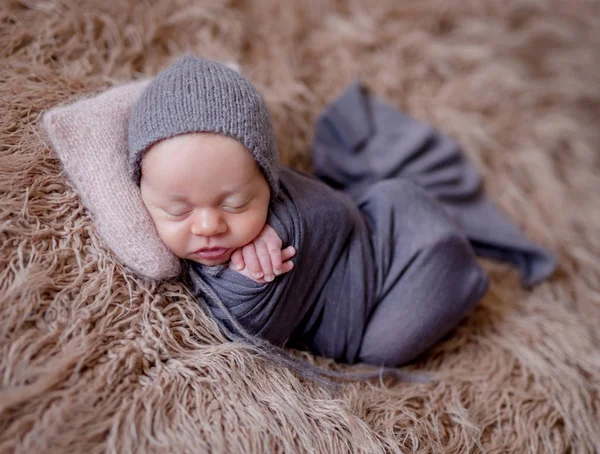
<point>92,359</point>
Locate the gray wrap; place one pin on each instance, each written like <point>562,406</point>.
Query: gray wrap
<point>377,284</point>
<point>384,265</point>
<point>360,140</point>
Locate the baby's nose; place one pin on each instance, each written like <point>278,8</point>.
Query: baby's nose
<point>208,223</point>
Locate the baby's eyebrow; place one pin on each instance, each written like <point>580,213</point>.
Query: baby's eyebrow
<point>228,194</point>
<point>234,190</point>
<point>178,198</point>
<point>237,190</point>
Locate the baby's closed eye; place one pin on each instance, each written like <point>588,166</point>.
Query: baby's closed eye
<point>177,212</point>
<point>235,206</point>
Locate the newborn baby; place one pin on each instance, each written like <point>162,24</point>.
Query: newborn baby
<point>377,276</point>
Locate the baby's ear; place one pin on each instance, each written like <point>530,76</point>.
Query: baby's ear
<point>90,138</point>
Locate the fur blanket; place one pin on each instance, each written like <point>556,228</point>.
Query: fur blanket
<point>94,359</point>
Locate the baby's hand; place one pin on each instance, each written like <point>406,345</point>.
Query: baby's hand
<point>263,259</point>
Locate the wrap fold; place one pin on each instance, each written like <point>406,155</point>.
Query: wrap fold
<point>360,140</point>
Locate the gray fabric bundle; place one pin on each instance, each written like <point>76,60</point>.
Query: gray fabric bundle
<point>360,140</point>
<point>377,279</point>
<point>384,268</point>
<point>199,95</point>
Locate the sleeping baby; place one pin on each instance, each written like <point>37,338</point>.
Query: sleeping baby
<point>374,276</point>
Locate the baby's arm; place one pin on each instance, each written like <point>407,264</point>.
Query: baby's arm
<point>262,259</point>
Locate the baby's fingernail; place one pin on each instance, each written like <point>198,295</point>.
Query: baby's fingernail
<point>239,267</point>
<point>269,278</point>
<point>277,272</point>
<point>257,275</point>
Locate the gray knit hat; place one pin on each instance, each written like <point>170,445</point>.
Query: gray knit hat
<point>199,95</point>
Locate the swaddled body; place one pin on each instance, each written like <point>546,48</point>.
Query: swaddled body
<point>379,275</point>
<point>378,279</point>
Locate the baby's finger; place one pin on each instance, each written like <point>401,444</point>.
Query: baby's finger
<point>246,272</point>
<point>287,266</point>
<point>264,257</point>
<point>276,258</point>
<point>251,261</point>
<point>288,253</point>
<point>237,260</point>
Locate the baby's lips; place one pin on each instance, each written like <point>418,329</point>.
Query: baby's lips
<point>211,253</point>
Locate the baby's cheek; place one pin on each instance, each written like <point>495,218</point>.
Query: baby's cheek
<point>172,234</point>
<point>249,226</point>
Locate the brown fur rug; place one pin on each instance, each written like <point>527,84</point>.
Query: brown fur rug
<point>94,360</point>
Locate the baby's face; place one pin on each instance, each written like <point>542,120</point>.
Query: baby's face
<point>205,194</point>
